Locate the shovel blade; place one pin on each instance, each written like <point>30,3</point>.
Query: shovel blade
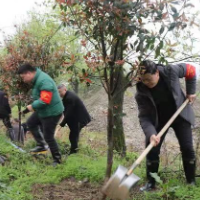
<point>125,186</point>
<point>119,184</point>
<point>113,183</point>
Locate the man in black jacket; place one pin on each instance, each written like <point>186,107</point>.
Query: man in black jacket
<point>158,96</point>
<point>5,113</point>
<point>76,115</point>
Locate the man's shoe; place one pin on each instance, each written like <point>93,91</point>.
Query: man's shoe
<point>148,187</point>
<point>191,183</point>
<point>56,163</point>
<point>38,149</point>
<point>72,151</point>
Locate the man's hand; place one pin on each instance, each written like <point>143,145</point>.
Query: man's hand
<point>191,97</point>
<point>30,108</point>
<point>155,139</point>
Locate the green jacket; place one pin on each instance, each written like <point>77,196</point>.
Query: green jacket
<point>43,82</point>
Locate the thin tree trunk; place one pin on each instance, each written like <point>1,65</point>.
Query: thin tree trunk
<point>76,86</point>
<point>20,122</point>
<point>118,90</point>
<point>119,143</point>
<point>118,132</point>
<point>110,138</point>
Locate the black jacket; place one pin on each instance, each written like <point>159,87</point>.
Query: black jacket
<point>74,111</point>
<point>148,115</point>
<point>5,109</point>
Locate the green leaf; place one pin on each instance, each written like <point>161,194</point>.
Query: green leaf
<point>54,6</point>
<point>151,46</point>
<point>157,52</point>
<point>76,33</point>
<point>175,2</point>
<point>161,44</point>
<point>161,6</point>
<point>135,43</point>
<point>65,8</point>
<point>131,46</point>
<point>162,29</point>
<point>174,10</point>
<point>156,177</point>
<point>64,24</point>
<point>83,70</point>
<point>172,26</point>
<point>141,46</point>
<point>138,48</point>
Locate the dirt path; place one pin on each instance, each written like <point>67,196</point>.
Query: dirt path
<point>70,189</point>
<point>97,106</point>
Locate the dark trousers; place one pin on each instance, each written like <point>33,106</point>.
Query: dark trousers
<point>8,125</point>
<point>75,129</point>
<point>48,125</point>
<point>183,132</point>
<point>6,121</point>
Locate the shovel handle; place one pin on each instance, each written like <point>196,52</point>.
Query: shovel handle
<point>151,145</point>
<point>59,127</point>
<point>57,130</point>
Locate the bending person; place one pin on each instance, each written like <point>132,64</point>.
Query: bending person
<point>158,96</point>
<point>76,115</point>
<point>5,113</point>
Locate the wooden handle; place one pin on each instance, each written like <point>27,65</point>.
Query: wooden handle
<point>59,127</point>
<point>61,118</point>
<point>57,130</point>
<point>151,145</point>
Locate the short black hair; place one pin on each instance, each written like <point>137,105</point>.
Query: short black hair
<point>148,66</point>
<point>27,67</point>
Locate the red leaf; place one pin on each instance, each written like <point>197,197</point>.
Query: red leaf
<point>88,80</point>
<point>60,1</point>
<point>119,62</point>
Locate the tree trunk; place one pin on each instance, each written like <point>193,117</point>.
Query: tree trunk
<point>118,99</point>
<point>20,121</point>
<point>75,82</point>
<point>110,138</point>
<point>76,86</point>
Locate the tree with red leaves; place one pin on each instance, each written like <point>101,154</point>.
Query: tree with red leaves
<point>117,32</point>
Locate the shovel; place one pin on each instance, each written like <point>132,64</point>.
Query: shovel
<point>118,186</point>
<point>59,127</point>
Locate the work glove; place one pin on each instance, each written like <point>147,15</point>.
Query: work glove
<point>25,111</point>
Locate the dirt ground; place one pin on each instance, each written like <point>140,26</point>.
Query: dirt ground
<point>70,189</point>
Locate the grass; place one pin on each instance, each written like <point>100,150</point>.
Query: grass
<point>21,170</point>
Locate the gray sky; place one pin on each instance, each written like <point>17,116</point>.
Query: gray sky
<point>14,12</point>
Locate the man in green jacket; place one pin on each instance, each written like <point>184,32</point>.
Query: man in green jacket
<point>47,109</point>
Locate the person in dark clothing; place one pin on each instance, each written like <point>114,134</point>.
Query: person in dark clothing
<point>47,109</point>
<point>5,113</point>
<point>76,115</point>
<point>158,96</point>
<point>25,127</point>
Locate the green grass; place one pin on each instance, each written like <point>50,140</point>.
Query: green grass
<point>21,171</point>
